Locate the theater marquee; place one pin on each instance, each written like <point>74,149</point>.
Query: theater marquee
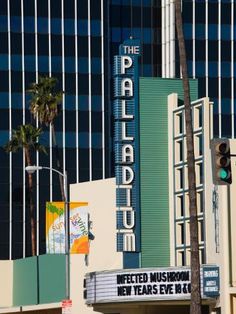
<point>149,284</point>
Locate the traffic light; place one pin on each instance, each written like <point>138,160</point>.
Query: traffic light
<point>221,163</point>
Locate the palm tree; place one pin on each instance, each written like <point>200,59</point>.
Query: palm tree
<point>195,307</point>
<point>45,105</point>
<point>26,137</point>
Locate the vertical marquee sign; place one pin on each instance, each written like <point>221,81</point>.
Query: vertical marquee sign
<point>126,114</point>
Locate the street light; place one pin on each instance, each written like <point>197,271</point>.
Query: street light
<point>31,170</point>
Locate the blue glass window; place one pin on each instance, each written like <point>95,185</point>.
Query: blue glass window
<point>3,24</point>
<point>56,45</point>
<point>4,137</point>
<point>225,87</point>
<point>126,2</point>
<point>84,139</point>
<point>234,32</point>
<point>83,65</point>
<point>4,100</point>
<point>3,62</point>
<point>200,68</point>
<point>15,24</point>
<point>190,68</point>
<point>97,121</point>
<point>145,2</point>
<point>147,35</point>
<point>56,26</point>
<point>43,64</point>
<point>96,103</point>
<point>4,120</point>
<point>96,28</point>
<point>83,27</point>
<point>43,44</point>
<point>225,50</point>
<point>96,65</point>
<point>42,25</point>
<point>57,64</point>
<point>70,102</point>
<point>70,64</point>
<point>83,84</point>
<point>29,43</point>
<point>116,1</point>
<point>213,50</point>
<point>126,33</point>
<point>83,102</point>
<point>213,69</point>
<point>137,33</point>
<point>147,70</point>
<point>16,63</point>
<point>29,8</point>
<point>29,23</point>
<point>188,29</point>
<point>69,44</point>
<point>97,140</point>
<point>225,32</point>
<point>69,27</point>
<point>234,69</point>
<point>212,31</point>
<point>70,139</point>
<point>116,34</point>
<point>200,31</point>
<point>225,69</point>
<point>30,63</point>
<point>4,43</point>
<point>16,100</point>
<point>226,105</point>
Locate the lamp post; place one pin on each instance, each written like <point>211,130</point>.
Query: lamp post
<point>32,169</point>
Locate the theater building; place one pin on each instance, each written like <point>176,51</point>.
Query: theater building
<point>139,221</point>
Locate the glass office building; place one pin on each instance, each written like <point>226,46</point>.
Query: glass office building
<point>209,29</point>
<point>73,40</point>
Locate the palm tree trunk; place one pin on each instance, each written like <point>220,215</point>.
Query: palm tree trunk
<point>195,307</point>
<point>31,202</point>
<point>54,141</point>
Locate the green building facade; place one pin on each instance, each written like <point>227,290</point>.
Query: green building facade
<point>154,186</point>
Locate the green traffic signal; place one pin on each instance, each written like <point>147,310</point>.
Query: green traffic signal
<point>223,174</point>
<point>221,161</point>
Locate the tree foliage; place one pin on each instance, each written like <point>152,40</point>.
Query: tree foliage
<point>45,100</point>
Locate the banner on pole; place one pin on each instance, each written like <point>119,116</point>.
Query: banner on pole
<point>55,228</point>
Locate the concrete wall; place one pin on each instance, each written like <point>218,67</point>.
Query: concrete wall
<point>6,283</point>
<point>103,256</point>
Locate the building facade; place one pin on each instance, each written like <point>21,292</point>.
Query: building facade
<point>209,30</point>
<point>160,281</point>
<point>73,41</point>
<point>178,182</point>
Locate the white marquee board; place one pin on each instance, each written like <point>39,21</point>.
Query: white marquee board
<point>148,284</point>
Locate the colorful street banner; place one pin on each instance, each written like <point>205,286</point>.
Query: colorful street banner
<point>55,228</point>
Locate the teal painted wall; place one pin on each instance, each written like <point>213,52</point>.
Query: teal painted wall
<point>38,283</point>
<point>52,278</point>
<point>25,281</point>
<point>154,186</point>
